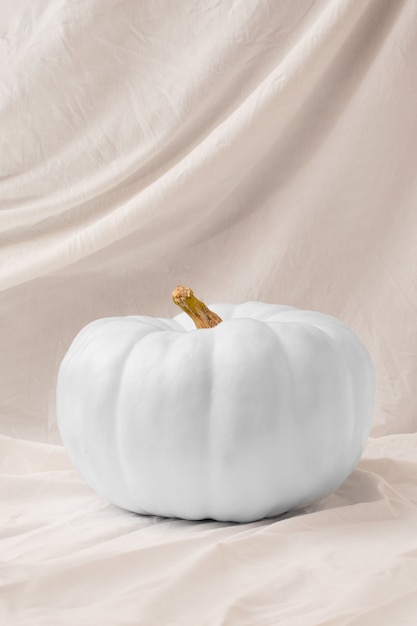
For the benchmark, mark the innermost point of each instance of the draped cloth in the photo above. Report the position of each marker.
(253, 150)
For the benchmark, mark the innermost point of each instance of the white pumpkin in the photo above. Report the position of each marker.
(264, 412)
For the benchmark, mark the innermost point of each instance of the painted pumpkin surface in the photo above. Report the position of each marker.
(260, 409)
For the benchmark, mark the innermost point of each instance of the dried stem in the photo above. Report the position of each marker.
(197, 310)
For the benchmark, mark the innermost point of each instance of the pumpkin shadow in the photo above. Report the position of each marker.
(361, 487)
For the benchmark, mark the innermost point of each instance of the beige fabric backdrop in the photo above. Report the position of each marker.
(251, 149)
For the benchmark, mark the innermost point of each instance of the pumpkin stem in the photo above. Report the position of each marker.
(197, 310)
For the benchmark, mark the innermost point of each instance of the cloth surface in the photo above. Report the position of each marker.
(253, 150)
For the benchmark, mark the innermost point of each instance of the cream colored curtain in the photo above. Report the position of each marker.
(253, 150)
